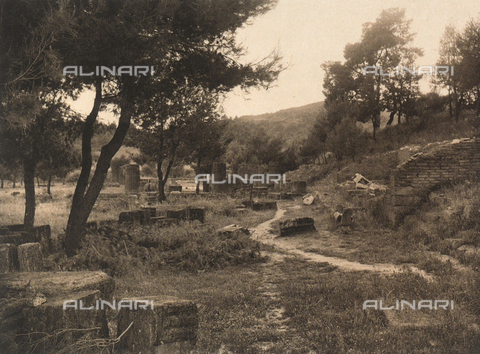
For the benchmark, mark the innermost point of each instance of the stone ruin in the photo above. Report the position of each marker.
(440, 164)
(32, 301)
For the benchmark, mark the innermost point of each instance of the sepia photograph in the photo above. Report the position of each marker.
(239, 177)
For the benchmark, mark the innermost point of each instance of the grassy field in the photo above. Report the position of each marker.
(254, 300)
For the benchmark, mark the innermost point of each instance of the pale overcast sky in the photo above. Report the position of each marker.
(311, 32)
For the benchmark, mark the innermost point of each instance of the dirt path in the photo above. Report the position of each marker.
(289, 245)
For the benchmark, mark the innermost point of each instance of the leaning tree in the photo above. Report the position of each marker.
(185, 41)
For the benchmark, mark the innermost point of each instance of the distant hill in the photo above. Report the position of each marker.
(291, 124)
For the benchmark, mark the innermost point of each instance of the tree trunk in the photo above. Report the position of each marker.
(161, 184)
(49, 184)
(14, 180)
(162, 178)
(29, 176)
(38, 182)
(84, 201)
(450, 107)
(2, 183)
(392, 117)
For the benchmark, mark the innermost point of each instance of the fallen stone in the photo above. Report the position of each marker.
(132, 217)
(151, 210)
(232, 229)
(293, 226)
(17, 238)
(197, 214)
(39, 315)
(264, 206)
(170, 327)
(56, 283)
(179, 214)
(347, 217)
(174, 188)
(8, 258)
(30, 257)
(43, 235)
(308, 199)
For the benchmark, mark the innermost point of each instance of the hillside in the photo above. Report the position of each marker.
(292, 124)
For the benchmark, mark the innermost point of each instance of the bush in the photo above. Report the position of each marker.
(182, 248)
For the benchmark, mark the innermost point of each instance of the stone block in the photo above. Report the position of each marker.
(293, 226)
(137, 216)
(169, 328)
(40, 315)
(151, 210)
(43, 235)
(174, 188)
(163, 221)
(264, 206)
(179, 214)
(233, 229)
(8, 258)
(30, 257)
(55, 283)
(197, 214)
(17, 238)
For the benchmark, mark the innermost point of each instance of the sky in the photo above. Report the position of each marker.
(310, 32)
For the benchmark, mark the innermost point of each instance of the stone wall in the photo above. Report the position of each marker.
(437, 165)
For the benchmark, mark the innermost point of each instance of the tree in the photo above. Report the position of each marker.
(346, 139)
(29, 70)
(450, 55)
(468, 70)
(384, 46)
(202, 142)
(187, 42)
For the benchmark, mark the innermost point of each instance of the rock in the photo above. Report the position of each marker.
(179, 214)
(39, 315)
(170, 327)
(197, 214)
(30, 257)
(8, 258)
(293, 226)
(56, 283)
(151, 210)
(17, 238)
(257, 206)
(232, 229)
(308, 199)
(137, 216)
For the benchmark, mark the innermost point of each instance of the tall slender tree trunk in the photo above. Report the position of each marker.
(49, 184)
(161, 183)
(29, 176)
(162, 178)
(84, 198)
(14, 180)
(450, 106)
(391, 118)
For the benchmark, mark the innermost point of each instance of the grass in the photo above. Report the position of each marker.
(326, 311)
(323, 309)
